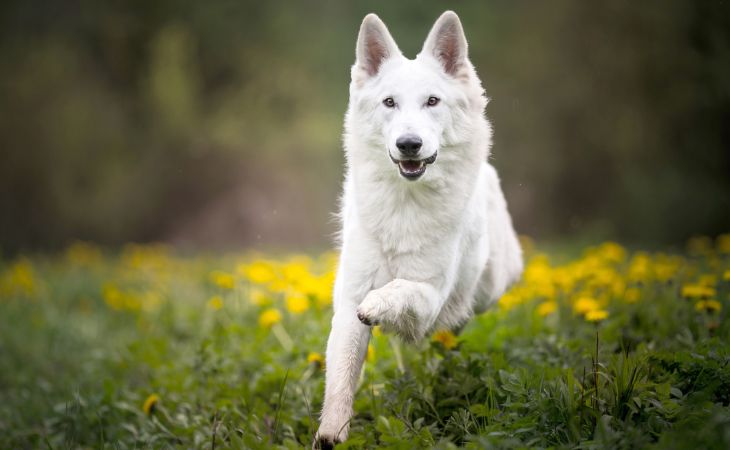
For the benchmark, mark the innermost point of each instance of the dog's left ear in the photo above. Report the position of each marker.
(447, 43)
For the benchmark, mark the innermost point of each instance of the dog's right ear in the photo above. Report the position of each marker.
(374, 46)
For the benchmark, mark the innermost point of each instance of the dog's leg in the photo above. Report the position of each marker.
(410, 308)
(346, 350)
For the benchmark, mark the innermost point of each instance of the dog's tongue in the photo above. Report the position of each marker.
(411, 166)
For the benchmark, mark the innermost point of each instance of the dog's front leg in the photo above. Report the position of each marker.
(409, 308)
(346, 350)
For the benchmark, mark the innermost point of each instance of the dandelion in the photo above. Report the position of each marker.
(215, 303)
(510, 299)
(585, 305)
(259, 272)
(371, 353)
(113, 297)
(446, 338)
(296, 269)
(19, 278)
(269, 317)
(546, 308)
(596, 315)
(697, 290)
(710, 306)
(666, 266)
(640, 268)
(315, 358)
(150, 403)
(222, 279)
(612, 252)
(297, 303)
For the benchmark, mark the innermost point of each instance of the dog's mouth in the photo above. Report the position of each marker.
(412, 169)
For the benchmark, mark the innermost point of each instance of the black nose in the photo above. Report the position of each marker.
(409, 144)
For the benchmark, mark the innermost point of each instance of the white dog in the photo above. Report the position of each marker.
(427, 241)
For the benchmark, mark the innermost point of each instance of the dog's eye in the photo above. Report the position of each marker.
(389, 102)
(433, 101)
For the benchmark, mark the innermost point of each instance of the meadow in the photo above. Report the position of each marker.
(601, 347)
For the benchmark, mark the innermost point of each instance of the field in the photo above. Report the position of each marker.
(146, 348)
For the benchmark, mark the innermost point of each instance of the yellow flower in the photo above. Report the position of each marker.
(547, 307)
(259, 272)
(19, 278)
(296, 269)
(446, 338)
(596, 315)
(269, 317)
(708, 280)
(586, 304)
(113, 297)
(510, 299)
(640, 267)
(697, 291)
(377, 331)
(297, 303)
(215, 303)
(711, 306)
(371, 353)
(612, 252)
(632, 295)
(223, 280)
(726, 275)
(150, 403)
(315, 358)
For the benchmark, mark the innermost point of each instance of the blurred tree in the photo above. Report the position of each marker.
(218, 123)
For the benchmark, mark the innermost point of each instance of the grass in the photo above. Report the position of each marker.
(148, 349)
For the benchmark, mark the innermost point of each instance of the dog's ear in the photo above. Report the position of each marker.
(374, 45)
(446, 42)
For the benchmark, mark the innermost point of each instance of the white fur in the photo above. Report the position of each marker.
(416, 255)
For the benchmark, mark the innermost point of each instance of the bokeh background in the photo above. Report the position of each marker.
(217, 124)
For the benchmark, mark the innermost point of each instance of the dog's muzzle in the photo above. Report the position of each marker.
(413, 169)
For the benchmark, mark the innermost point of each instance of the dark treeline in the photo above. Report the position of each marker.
(218, 123)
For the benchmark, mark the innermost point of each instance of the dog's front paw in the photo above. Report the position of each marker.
(329, 435)
(324, 442)
(372, 309)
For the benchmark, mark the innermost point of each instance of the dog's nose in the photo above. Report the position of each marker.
(409, 144)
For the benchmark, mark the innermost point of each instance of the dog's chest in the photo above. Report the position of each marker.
(403, 222)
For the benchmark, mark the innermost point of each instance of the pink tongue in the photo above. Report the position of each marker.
(410, 166)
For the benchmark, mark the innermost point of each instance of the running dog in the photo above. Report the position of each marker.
(426, 238)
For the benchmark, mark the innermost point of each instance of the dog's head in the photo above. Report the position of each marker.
(415, 110)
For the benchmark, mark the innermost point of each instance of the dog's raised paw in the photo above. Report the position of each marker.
(370, 311)
(365, 319)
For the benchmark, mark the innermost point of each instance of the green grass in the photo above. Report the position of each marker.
(75, 372)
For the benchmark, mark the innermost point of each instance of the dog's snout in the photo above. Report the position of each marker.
(409, 144)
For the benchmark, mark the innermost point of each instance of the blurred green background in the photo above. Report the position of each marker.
(217, 124)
